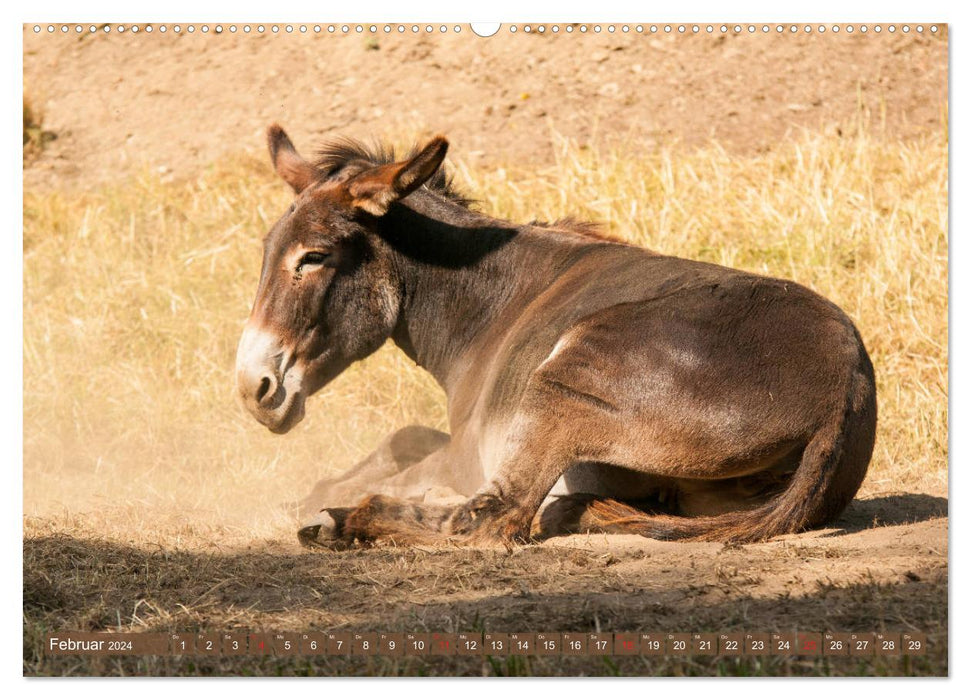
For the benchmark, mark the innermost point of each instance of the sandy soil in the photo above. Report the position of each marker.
(175, 104)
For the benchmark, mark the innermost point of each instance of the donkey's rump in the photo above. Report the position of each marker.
(716, 381)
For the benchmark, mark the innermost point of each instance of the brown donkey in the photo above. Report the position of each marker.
(591, 384)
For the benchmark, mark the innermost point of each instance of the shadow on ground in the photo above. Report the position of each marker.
(845, 583)
(897, 509)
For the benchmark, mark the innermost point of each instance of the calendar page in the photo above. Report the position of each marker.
(515, 349)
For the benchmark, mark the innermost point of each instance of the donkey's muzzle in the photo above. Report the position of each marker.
(268, 388)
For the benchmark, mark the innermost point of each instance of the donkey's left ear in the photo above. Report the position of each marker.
(376, 189)
(289, 164)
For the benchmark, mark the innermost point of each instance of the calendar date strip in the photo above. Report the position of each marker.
(565, 644)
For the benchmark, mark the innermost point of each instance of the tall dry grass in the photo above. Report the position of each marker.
(135, 294)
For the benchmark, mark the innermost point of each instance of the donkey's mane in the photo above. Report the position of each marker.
(589, 229)
(337, 153)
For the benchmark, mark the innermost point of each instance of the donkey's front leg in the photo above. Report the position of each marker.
(326, 509)
(500, 512)
(390, 520)
(396, 453)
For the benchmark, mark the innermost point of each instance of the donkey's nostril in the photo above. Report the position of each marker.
(264, 389)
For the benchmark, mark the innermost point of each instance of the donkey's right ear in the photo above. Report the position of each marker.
(289, 164)
(378, 188)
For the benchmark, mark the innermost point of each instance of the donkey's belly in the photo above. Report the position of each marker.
(609, 481)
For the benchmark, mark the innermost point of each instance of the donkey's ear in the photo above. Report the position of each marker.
(376, 189)
(289, 164)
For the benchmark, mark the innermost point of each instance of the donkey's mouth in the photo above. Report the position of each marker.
(286, 415)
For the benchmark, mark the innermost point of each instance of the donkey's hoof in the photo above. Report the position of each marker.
(325, 529)
(308, 535)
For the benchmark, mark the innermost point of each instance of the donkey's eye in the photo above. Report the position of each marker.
(314, 258)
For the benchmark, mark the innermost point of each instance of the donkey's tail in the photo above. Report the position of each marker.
(830, 471)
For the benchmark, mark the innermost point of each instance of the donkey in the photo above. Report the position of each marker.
(591, 384)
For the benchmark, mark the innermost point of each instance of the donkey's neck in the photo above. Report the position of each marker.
(462, 274)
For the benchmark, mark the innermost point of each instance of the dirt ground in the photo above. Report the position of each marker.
(175, 104)
(178, 103)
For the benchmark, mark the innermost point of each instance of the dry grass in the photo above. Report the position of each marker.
(135, 295)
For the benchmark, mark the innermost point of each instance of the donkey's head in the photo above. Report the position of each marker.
(328, 293)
